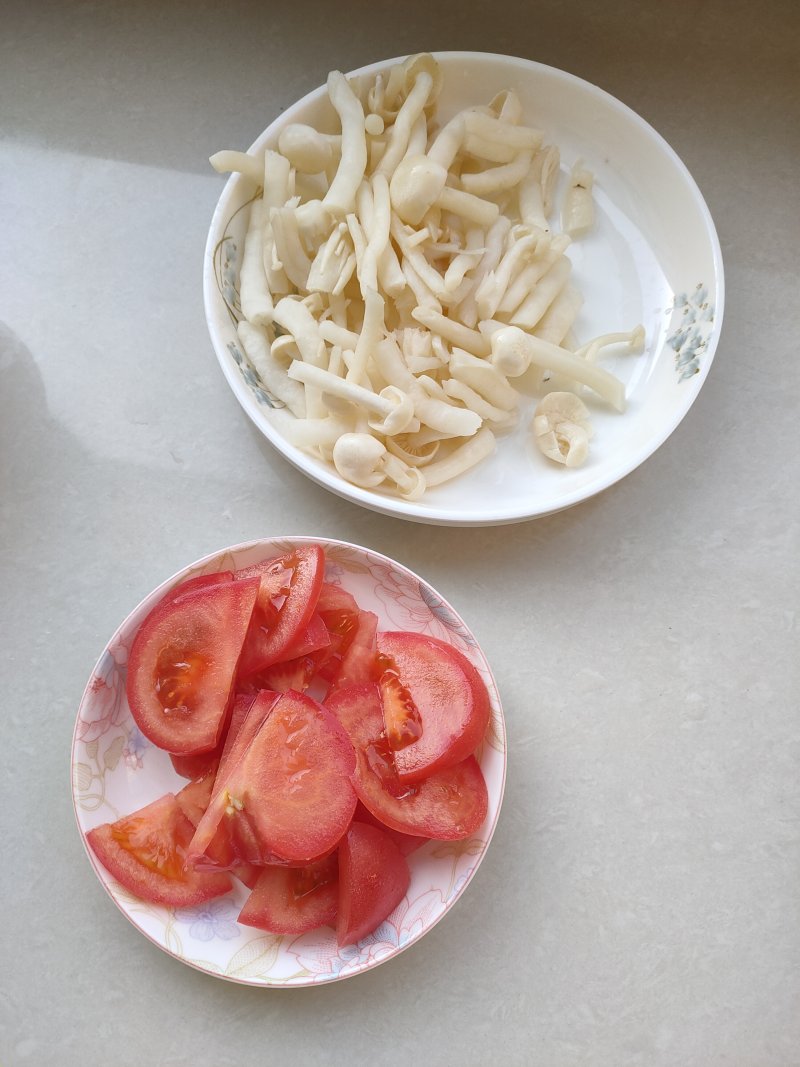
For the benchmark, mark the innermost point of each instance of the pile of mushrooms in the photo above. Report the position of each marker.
(398, 277)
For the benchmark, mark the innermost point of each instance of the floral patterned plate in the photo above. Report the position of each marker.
(115, 771)
(652, 257)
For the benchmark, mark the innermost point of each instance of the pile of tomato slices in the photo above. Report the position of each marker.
(320, 751)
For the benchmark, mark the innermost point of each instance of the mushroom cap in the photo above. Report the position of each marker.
(400, 418)
(415, 186)
(511, 351)
(356, 457)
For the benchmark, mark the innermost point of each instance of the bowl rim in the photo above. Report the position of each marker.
(396, 507)
(487, 830)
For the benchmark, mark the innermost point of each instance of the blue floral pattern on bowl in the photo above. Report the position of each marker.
(691, 327)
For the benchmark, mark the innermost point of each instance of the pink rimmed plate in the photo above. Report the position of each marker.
(115, 771)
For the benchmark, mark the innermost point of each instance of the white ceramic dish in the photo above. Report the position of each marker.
(116, 771)
(653, 258)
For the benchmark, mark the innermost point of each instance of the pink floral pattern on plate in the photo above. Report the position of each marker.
(115, 770)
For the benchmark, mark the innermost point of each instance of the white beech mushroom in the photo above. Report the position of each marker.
(400, 269)
(562, 428)
(394, 407)
(308, 150)
(512, 346)
(365, 461)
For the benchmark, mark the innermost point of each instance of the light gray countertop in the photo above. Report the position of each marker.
(638, 906)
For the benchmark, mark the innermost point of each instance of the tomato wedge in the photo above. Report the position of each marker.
(273, 637)
(284, 795)
(373, 879)
(448, 805)
(145, 852)
(289, 798)
(183, 662)
(293, 900)
(406, 843)
(212, 840)
(358, 663)
(435, 703)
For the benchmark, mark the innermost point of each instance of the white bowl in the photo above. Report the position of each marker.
(653, 258)
(116, 771)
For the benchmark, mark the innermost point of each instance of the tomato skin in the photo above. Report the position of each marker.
(294, 900)
(271, 639)
(448, 805)
(373, 879)
(145, 852)
(186, 651)
(449, 695)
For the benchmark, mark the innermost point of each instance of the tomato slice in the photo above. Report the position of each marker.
(359, 661)
(146, 852)
(293, 900)
(195, 797)
(290, 799)
(435, 703)
(406, 843)
(182, 666)
(272, 637)
(373, 879)
(448, 805)
(212, 843)
(193, 585)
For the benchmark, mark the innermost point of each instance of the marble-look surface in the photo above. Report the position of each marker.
(639, 904)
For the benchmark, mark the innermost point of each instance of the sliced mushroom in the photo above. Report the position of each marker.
(562, 428)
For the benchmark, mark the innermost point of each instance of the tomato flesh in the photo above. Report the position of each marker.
(373, 879)
(288, 900)
(447, 805)
(272, 637)
(443, 699)
(146, 853)
(182, 666)
(359, 661)
(406, 843)
(212, 842)
(289, 798)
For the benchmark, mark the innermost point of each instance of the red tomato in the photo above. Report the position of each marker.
(274, 577)
(195, 797)
(193, 585)
(289, 799)
(314, 638)
(293, 900)
(358, 663)
(145, 852)
(200, 765)
(448, 805)
(211, 841)
(182, 666)
(406, 843)
(273, 638)
(440, 692)
(373, 879)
